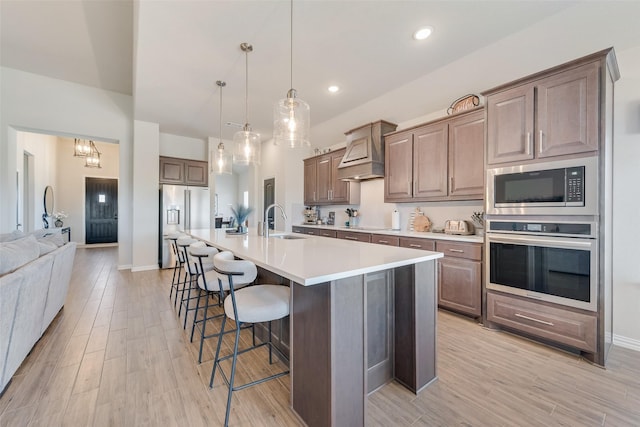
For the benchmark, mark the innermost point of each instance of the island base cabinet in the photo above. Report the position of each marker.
(352, 335)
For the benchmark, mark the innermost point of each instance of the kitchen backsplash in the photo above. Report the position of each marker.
(374, 212)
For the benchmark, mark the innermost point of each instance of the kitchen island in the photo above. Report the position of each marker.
(361, 315)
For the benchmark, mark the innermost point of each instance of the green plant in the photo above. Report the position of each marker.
(241, 213)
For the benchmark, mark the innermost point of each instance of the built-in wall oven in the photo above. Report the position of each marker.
(554, 261)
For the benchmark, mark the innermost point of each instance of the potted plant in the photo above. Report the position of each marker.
(58, 217)
(241, 213)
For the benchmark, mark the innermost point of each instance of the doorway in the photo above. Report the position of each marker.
(26, 217)
(269, 199)
(101, 210)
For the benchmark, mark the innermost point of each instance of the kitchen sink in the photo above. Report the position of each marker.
(287, 236)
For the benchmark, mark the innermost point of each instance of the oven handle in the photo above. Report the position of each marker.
(554, 242)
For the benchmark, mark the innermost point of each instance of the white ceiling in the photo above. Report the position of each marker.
(169, 54)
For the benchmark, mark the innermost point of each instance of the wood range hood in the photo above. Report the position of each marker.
(364, 158)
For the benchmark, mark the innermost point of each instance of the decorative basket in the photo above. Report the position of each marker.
(467, 102)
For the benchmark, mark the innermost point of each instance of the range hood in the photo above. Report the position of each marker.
(364, 158)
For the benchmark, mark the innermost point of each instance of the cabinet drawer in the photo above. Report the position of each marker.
(360, 237)
(383, 239)
(417, 243)
(296, 229)
(460, 250)
(326, 233)
(560, 324)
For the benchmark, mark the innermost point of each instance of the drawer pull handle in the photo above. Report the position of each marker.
(456, 250)
(544, 322)
(350, 238)
(383, 241)
(413, 245)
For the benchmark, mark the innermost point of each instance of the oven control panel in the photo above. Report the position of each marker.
(577, 229)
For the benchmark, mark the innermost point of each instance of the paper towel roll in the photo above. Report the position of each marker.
(395, 220)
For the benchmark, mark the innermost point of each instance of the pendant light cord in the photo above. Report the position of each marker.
(291, 44)
(246, 89)
(220, 127)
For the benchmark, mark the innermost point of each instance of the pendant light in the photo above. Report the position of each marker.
(291, 115)
(81, 147)
(92, 160)
(246, 143)
(221, 160)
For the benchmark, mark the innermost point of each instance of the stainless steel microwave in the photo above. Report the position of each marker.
(563, 187)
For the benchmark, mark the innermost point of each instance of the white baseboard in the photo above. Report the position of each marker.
(124, 267)
(144, 268)
(625, 342)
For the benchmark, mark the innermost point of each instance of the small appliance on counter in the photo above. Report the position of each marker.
(458, 226)
(311, 215)
(332, 218)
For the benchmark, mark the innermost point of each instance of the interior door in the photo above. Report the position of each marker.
(101, 210)
(269, 199)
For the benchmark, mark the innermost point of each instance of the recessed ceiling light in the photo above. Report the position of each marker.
(422, 33)
(333, 89)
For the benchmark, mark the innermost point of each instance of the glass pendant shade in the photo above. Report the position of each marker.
(222, 161)
(81, 147)
(246, 147)
(291, 122)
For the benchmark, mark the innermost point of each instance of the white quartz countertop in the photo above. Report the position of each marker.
(386, 231)
(310, 260)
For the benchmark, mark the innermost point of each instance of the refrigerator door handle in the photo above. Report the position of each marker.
(187, 209)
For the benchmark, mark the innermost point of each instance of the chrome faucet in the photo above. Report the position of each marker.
(265, 223)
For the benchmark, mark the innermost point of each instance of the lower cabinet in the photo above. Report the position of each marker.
(563, 325)
(356, 236)
(459, 285)
(383, 239)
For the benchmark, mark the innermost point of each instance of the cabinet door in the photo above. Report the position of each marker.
(310, 179)
(466, 156)
(171, 171)
(567, 107)
(323, 183)
(196, 173)
(339, 188)
(510, 125)
(459, 285)
(430, 161)
(398, 167)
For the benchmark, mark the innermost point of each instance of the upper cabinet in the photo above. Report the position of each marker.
(553, 114)
(443, 160)
(184, 172)
(322, 185)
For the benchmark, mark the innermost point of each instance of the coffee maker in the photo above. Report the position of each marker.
(311, 215)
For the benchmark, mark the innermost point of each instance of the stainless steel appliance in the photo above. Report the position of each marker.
(182, 208)
(564, 187)
(554, 261)
(311, 215)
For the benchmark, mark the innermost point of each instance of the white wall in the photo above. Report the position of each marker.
(626, 203)
(226, 186)
(43, 149)
(35, 103)
(145, 195)
(183, 147)
(70, 184)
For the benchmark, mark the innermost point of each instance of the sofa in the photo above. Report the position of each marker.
(35, 271)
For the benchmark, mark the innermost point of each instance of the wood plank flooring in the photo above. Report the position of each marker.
(117, 355)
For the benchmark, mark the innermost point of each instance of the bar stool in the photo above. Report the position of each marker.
(208, 283)
(178, 265)
(252, 304)
(189, 277)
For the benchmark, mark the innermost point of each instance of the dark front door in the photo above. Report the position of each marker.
(101, 210)
(269, 199)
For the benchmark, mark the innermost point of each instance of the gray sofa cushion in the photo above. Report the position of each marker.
(46, 247)
(55, 238)
(14, 235)
(17, 253)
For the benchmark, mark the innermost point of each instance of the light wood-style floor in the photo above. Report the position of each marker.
(117, 355)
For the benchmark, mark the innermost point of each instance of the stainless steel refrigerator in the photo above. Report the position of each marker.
(182, 208)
